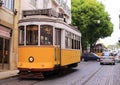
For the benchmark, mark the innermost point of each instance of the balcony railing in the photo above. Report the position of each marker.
(46, 12)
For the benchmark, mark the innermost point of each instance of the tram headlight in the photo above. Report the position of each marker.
(31, 59)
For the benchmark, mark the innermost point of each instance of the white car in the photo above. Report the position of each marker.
(107, 59)
(117, 57)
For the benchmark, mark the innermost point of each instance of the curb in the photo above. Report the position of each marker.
(7, 74)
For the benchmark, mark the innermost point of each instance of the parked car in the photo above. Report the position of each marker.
(117, 57)
(107, 58)
(89, 56)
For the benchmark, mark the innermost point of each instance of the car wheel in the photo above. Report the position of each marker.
(101, 63)
(83, 59)
(98, 60)
(113, 63)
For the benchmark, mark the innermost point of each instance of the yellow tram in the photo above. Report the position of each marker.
(98, 49)
(47, 44)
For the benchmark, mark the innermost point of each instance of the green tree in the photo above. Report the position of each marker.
(92, 20)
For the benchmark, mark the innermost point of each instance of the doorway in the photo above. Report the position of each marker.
(4, 53)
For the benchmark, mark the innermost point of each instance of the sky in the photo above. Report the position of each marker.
(113, 8)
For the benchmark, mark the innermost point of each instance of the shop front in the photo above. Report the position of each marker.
(4, 48)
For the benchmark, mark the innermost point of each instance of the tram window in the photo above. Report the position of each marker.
(57, 36)
(21, 35)
(72, 40)
(79, 45)
(68, 40)
(72, 43)
(69, 43)
(46, 37)
(75, 44)
(32, 35)
(77, 41)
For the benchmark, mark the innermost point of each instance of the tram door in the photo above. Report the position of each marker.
(58, 45)
(4, 54)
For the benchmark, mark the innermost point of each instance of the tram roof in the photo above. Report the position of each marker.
(46, 19)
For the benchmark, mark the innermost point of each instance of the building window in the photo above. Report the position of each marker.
(21, 35)
(33, 2)
(32, 35)
(46, 37)
(8, 4)
(45, 3)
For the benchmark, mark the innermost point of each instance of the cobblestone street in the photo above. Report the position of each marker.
(87, 73)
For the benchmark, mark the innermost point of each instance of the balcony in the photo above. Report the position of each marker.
(45, 12)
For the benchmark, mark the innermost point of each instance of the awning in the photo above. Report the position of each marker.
(4, 32)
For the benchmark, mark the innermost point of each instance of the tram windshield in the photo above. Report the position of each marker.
(31, 35)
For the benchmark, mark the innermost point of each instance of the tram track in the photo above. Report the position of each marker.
(109, 79)
(85, 67)
(104, 76)
(91, 75)
(81, 75)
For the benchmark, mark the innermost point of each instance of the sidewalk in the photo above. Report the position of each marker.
(10, 73)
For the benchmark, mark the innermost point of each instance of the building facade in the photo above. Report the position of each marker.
(60, 6)
(6, 27)
(8, 18)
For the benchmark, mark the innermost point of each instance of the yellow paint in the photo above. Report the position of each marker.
(70, 56)
(46, 56)
(57, 55)
(99, 54)
(43, 57)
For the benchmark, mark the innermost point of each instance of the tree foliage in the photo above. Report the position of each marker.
(92, 20)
